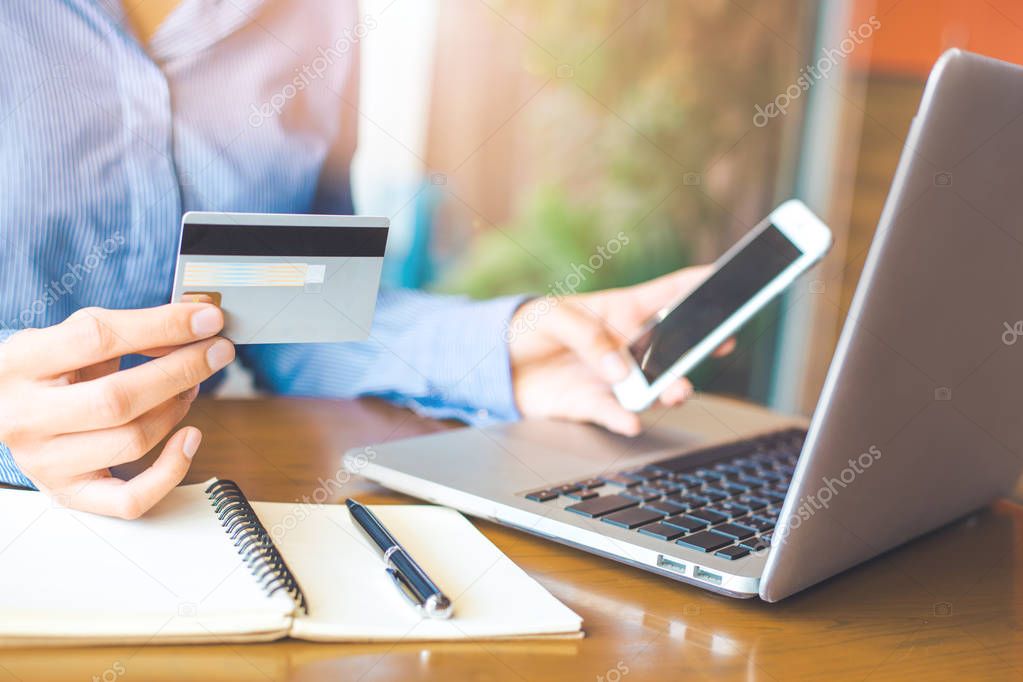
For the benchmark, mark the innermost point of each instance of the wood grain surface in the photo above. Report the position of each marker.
(947, 606)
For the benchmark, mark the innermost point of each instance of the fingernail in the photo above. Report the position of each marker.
(207, 321)
(614, 366)
(191, 445)
(220, 354)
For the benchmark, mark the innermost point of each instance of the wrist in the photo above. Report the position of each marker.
(484, 380)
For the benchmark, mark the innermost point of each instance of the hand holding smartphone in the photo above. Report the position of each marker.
(745, 279)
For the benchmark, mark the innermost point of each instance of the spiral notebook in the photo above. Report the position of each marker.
(206, 565)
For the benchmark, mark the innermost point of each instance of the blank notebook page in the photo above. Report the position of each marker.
(351, 597)
(172, 573)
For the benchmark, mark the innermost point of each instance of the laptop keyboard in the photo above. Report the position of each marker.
(722, 500)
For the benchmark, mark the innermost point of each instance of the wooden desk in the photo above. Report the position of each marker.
(947, 606)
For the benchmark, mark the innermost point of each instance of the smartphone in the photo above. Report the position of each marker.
(745, 279)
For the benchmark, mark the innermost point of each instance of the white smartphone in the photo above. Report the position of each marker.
(745, 279)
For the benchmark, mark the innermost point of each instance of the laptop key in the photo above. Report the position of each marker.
(583, 494)
(599, 506)
(734, 509)
(689, 501)
(735, 531)
(620, 480)
(756, 523)
(755, 544)
(708, 474)
(688, 480)
(713, 494)
(647, 473)
(662, 531)
(664, 507)
(704, 541)
(632, 518)
(732, 553)
(592, 483)
(641, 494)
(707, 515)
(686, 523)
(542, 496)
(754, 502)
(565, 489)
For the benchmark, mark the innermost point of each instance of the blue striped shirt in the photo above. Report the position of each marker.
(248, 105)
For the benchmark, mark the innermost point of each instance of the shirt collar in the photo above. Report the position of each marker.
(193, 25)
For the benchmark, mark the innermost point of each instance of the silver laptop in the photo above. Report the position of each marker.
(918, 423)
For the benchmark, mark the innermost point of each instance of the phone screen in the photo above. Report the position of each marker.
(739, 279)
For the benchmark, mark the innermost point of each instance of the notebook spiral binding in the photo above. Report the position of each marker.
(254, 544)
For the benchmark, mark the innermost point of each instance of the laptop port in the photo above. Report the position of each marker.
(706, 575)
(671, 564)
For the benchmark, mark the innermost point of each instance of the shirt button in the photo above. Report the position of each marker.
(482, 414)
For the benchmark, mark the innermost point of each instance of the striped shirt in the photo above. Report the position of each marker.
(247, 105)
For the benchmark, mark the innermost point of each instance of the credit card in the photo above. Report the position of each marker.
(284, 278)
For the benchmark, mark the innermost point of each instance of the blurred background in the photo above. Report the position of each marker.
(509, 140)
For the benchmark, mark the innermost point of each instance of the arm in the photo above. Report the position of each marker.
(443, 355)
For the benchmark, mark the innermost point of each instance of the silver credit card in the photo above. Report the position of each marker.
(283, 278)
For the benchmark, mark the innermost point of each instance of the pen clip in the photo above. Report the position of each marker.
(406, 590)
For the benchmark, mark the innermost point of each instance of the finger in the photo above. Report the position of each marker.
(158, 352)
(602, 408)
(679, 391)
(88, 451)
(109, 366)
(100, 369)
(588, 338)
(651, 297)
(725, 348)
(123, 396)
(92, 335)
(132, 498)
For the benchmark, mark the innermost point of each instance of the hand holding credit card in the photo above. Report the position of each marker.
(283, 278)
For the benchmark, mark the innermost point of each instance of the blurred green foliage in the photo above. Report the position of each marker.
(656, 99)
(552, 235)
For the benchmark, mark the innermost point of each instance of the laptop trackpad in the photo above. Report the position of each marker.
(527, 455)
(578, 448)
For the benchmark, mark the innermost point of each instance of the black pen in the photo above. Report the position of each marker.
(410, 579)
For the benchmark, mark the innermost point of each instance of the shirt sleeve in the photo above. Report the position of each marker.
(9, 472)
(443, 356)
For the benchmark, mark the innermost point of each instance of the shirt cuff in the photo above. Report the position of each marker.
(481, 392)
(9, 472)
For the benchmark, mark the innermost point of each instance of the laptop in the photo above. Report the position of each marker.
(918, 422)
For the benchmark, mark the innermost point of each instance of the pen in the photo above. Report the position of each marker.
(410, 579)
